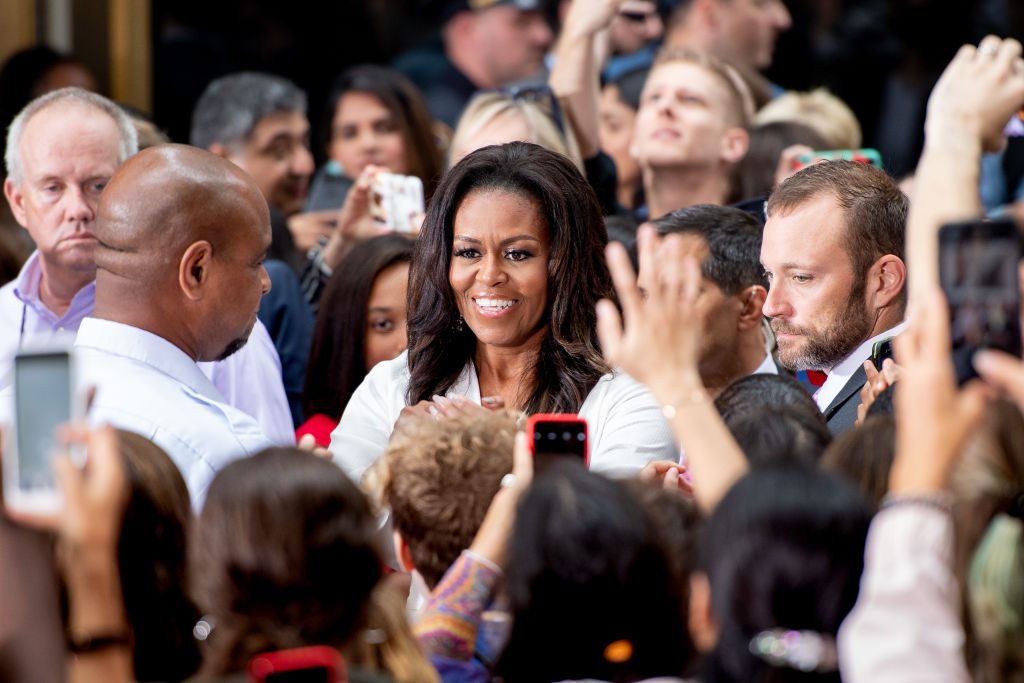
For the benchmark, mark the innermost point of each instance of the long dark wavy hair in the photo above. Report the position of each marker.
(570, 361)
(337, 361)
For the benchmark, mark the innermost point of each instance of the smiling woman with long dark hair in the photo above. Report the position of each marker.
(507, 270)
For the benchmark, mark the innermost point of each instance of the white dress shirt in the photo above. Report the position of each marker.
(846, 368)
(249, 379)
(625, 426)
(147, 385)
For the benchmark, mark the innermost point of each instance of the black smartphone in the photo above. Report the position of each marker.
(557, 436)
(978, 263)
(881, 350)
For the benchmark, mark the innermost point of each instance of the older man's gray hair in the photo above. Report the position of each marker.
(12, 156)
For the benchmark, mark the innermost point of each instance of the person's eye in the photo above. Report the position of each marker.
(767, 275)
(467, 252)
(802, 279)
(383, 326)
(385, 126)
(347, 133)
(51, 188)
(98, 186)
(518, 254)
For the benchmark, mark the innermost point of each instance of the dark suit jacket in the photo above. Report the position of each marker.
(841, 414)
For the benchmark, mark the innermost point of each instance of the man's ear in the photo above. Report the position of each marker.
(735, 144)
(194, 269)
(16, 198)
(752, 302)
(703, 629)
(889, 277)
(402, 552)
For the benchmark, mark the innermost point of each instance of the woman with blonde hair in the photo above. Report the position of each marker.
(527, 114)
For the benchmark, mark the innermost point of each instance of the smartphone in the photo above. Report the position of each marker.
(865, 155)
(978, 270)
(396, 201)
(557, 436)
(317, 664)
(881, 350)
(44, 399)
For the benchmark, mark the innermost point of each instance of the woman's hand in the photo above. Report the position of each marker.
(354, 221)
(660, 344)
(933, 417)
(978, 93)
(669, 475)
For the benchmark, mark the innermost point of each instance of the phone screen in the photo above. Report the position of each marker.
(978, 270)
(315, 674)
(559, 441)
(42, 388)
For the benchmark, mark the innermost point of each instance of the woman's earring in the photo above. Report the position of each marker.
(458, 326)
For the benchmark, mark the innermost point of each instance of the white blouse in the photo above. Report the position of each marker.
(625, 425)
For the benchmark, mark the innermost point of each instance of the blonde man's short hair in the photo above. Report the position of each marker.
(819, 110)
(741, 101)
(438, 479)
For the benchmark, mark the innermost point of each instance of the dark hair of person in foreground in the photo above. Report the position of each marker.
(284, 555)
(592, 592)
(784, 549)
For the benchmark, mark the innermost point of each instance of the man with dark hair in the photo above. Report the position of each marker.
(258, 122)
(727, 242)
(833, 255)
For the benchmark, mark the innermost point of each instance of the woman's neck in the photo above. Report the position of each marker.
(668, 189)
(508, 372)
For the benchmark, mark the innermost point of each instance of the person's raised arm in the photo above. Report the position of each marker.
(906, 623)
(88, 529)
(575, 77)
(968, 109)
(659, 347)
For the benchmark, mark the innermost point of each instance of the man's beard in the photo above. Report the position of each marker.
(233, 347)
(826, 349)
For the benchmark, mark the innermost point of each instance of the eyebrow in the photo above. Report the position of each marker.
(517, 238)
(381, 309)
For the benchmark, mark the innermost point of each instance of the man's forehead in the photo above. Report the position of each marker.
(63, 133)
(292, 124)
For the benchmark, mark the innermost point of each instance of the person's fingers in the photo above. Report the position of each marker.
(1008, 52)
(970, 405)
(935, 342)
(691, 281)
(623, 278)
(671, 280)
(609, 330)
(322, 452)
(106, 468)
(671, 479)
(306, 443)
(872, 377)
(90, 396)
(493, 402)
(647, 243)
(988, 48)
(890, 371)
(1003, 372)
(522, 459)
(445, 407)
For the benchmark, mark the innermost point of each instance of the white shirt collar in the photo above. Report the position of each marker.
(846, 368)
(767, 366)
(145, 347)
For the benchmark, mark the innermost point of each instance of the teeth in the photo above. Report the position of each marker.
(494, 303)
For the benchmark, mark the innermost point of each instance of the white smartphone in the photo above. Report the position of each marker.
(44, 398)
(396, 201)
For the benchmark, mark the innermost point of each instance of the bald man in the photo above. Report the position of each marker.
(181, 237)
(61, 150)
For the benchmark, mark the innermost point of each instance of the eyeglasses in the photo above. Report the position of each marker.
(637, 17)
(539, 94)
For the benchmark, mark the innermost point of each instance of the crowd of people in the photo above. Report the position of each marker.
(306, 431)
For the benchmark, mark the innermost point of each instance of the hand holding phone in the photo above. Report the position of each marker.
(978, 270)
(396, 201)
